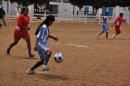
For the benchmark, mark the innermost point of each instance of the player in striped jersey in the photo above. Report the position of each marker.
(105, 27)
(41, 45)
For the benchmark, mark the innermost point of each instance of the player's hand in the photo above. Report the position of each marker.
(55, 38)
(35, 48)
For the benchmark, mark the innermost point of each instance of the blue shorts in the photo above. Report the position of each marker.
(105, 28)
(41, 52)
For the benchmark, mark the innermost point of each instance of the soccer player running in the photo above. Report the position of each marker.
(105, 27)
(2, 17)
(41, 45)
(117, 24)
(21, 31)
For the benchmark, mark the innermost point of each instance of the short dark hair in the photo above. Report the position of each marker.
(121, 14)
(23, 9)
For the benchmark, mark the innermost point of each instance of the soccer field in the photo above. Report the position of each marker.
(87, 61)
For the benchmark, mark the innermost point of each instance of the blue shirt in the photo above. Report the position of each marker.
(43, 34)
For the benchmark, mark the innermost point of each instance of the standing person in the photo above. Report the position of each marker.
(117, 24)
(17, 9)
(41, 45)
(2, 17)
(21, 31)
(105, 27)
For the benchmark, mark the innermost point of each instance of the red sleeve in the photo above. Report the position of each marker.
(29, 18)
(123, 20)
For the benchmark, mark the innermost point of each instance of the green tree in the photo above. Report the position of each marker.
(28, 2)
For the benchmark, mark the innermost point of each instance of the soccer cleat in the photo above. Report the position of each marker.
(30, 72)
(45, 68)
(31, 56)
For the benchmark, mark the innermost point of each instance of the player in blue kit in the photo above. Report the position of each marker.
(41, 45)
(105, 27)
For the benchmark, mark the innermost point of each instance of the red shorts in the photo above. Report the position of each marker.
(20, 34)
(117, 29)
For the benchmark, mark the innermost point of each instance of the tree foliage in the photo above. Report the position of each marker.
(101, 3)
(95, 3)
(28, 2)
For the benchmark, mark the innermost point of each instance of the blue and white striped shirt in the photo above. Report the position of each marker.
(43, 34)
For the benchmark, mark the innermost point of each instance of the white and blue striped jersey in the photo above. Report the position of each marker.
(43, 34)
(105, 26)
(43, 37)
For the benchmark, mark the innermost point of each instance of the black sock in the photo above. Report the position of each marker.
(47, 57)
(39, 63)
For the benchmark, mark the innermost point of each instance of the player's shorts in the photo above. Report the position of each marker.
(105, 28)
(21, 34)
(42, 49)
(117, 29)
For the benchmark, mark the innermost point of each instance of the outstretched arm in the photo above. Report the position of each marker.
(54, 38)
(123, 20)
(113, 24)
(36, 44)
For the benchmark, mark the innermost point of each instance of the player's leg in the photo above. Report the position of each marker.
(16, 39)
(4, 21)
(41, 53)
(10, 46)
(27, 39)
(47, 57)
(116, 34)
(99, 34)
(106, 35)
(46, 60)
(38, 64)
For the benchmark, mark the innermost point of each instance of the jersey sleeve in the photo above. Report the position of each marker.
(123, 20)
(41, 33)
(28, 18)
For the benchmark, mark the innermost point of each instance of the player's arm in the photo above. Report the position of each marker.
(28, 28)
(36, 44)
(50, 36)
(114, 22)
(53, 37)
(38, 37)
(123, 20)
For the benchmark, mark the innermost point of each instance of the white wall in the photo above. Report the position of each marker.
(64, 9)
(9, 7)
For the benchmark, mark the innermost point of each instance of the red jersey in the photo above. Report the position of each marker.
(23, 21)
(119, 20)
(19, 31)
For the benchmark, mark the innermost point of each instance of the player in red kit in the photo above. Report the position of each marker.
(21, 31)
(117, 24)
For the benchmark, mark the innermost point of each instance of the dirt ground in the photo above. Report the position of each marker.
(87, 61)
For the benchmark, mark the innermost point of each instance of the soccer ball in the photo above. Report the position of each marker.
(58, 57)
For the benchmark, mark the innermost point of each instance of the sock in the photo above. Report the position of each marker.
(39, 63)
(46, 59)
